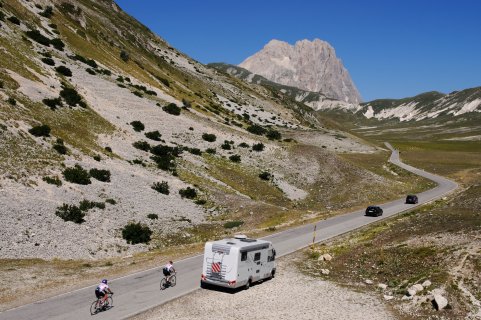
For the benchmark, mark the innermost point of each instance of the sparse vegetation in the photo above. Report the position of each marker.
(189, 193)
(71, 97)
(137, 126)
(226, 145)
(258, 147)
(211, 151)
(233, 224)
(243, 145)
(210, 137)
(60, 148)
(52, 103)
(135, 233)
(53, 180)
(63, 70)
(265, 175)
(40, 131)
(36, 36)
(162, 187)
(172, 109)
(48, 61)
(111, 201)
(100, 174)
(77, 175)
(47, 13)
(152, 216)
(70, 213)
(14, 20)
(57, 44)
(256, 129)
(273, 135)
(124, 55)
(141, 145)
(153, 135)
(235, 158)
(86, 205)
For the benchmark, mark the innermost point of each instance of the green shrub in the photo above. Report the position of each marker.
(108, 149)
(258, 147)
(48, 61)
(110, 201)
(77, 175)
(162, 187)
(57, 44)
(38, 37)
(92, 72)
(47, 13)
(40, 131)
(152, 216)
(164, 156)
(60, 148)
(70, 213)
(135, 233)
(89, 62)
(200, 202)
(86, 205)
(210, 137)
(256, 129)
(243, 145)
(64, 71)
(162, 150)
(265, 175)
(153, 135)
(211, 151)
(97, 157)
(100, 175)
(14, 20)
(137, 126)
(52, 103)
(195, 151)
(189, 193)
(273, 134)
(235, 158)
(172, 108)
(141, 145)
(138, 94)
(165, 82)
(124, 55)
(226, 145)
(53, 180)
(71, 97)
(12, 101)
(233, 224)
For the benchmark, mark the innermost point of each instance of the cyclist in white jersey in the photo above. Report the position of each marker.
(102, 290)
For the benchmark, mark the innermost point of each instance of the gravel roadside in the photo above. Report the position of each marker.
(291, 295)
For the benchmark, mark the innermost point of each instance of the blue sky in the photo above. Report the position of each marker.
(391, 48)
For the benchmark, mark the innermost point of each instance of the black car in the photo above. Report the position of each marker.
(412, 199)
(374, 211)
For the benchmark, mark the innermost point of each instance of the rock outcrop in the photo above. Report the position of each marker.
(308, 65)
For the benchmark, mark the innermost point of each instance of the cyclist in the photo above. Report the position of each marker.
(101, 290)
(168, 270)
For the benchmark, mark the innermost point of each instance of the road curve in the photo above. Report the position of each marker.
(138, 292)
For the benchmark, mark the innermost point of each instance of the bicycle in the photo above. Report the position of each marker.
(164, 283)
(97, 306)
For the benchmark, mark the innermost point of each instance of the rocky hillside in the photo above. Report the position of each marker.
(108, 133)
(308, 65)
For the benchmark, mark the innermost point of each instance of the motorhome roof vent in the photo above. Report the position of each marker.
(230, 242)
(240, 236)
(248, 240)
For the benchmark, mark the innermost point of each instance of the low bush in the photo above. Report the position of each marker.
(92, 72)
(71, 97)
(211, 151)
(152, 216)
(64, 71)
(57, 44)
(53, 180)
(243, 145)
(14, 20)
(137, 126)
(48, 61)
(89, 62)
(40, 131)
(164, 81)
(235, 158)
(200, 202)
(77, 175)
(153, 135)
(172, 109)
(124, 55)
(12, 101)
(110, 201)
(162, 187)
(97, 157)
(135, 233)
(273, 135)
(70, 213)
(108, 149)
(256, 129)
(36, 36)
(210, 137)
(189, 193)
(86, 205)
(141, 145)
(226, 145)
(60, 148)
(233, 224)
(265, 175)
(100, 175)
(164, 156)
(52, 103)
(195, 151)
(47, 13)
(258, 147)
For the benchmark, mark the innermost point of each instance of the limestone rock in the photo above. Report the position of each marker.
(367, 281)
(325, 271)
(308, 65)
(388, 297)
(440, 302)
(382, 286)
(426, 284)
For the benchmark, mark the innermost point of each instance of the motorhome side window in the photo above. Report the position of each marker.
(271, 256)
(244, 256)
(257, 256)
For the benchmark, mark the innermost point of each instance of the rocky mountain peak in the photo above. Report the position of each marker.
(308, 65)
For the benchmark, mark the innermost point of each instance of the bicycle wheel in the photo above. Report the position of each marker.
(172, 281)
(109, 303)
(163, 284)
(94, 308)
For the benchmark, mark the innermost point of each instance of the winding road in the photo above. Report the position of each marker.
(138, 292)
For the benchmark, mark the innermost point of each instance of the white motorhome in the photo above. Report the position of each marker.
(237, 262)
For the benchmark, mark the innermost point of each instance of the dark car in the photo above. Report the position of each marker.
(374, 211)
(412, 199)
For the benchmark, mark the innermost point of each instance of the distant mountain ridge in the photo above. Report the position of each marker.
(308, 65)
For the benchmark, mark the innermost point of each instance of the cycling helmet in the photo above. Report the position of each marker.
(104, 281)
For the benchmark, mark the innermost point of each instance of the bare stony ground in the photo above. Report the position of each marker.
(291, 295)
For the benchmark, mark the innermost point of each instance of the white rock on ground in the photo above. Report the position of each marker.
(440, 302)
(291, 295)
(382, 286)
(426, 284)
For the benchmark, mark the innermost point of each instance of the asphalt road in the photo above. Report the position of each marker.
(140, 291)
